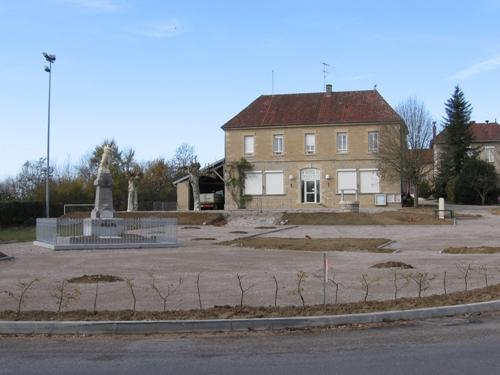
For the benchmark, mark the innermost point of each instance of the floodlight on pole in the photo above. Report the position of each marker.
(50, 59)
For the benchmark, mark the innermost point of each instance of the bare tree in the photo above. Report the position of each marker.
(465, 270)
(198, 290)
(276, 289)
(171, 289)
(64, 296)
(422, 280)
(397, 286)
(301, 276)
(336, 285)
(96, 295)
(243, 290)
(365, 286)
(130, 285)
(444, 283)
(402, 153)
(484, 271)
(25, 286)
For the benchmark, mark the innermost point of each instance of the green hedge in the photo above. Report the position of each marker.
(17, 213)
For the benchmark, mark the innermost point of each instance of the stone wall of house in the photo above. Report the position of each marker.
(294, 159)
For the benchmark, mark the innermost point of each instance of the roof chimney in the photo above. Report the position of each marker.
(487, 122)
(433, 130)
(328, 87)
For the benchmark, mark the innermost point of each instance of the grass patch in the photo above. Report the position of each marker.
(419, 217)
(472, 250)
(317, 244)
(203, 239)
(20, 234)
(490, 293)
(392, 264)
(92, 279)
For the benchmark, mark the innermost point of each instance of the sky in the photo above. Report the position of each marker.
(155, 74)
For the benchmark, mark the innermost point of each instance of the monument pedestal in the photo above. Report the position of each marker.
(103, 227)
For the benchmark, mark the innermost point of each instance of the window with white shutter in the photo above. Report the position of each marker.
(310, 143)
(369, 181)
(278, 144)
(253, 183)
(347, 181)
(249, 141)
(274, 182)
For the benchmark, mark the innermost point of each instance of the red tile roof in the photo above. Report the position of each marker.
(427, 155)
(315, 109)
(481, 132)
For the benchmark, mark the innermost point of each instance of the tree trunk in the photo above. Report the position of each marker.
(415, 200)
(195, 185)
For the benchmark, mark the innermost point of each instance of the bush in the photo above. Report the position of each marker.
(424, 189)
(19, 213)
(477, 183)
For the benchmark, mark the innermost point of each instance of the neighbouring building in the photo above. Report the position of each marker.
(306, 149)
(486, 138)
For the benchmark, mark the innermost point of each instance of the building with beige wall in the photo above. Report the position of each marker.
(486, 138)
(308, 149)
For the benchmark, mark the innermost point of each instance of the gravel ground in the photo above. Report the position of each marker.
(217, 265)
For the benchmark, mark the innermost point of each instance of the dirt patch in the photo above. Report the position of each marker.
(392, 264)
(317, 244)
(203, 239)
(228, 312)
(183, 218)
(91, 279)
(238, 232)
(418, 217)
(472, 250)
(190, 227)
(495, 211)
(265, 227)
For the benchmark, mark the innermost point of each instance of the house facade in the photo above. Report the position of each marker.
(310, 150)
(486, 138)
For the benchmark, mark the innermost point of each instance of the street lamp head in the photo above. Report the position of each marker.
(49, 57)
(46, 68)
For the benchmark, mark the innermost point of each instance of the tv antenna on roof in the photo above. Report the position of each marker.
(325, 72)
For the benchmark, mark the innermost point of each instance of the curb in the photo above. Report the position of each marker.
(232, 325)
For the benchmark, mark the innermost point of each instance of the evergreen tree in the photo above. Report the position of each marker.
(458, 139)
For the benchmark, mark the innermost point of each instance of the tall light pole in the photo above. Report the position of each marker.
(50, 59)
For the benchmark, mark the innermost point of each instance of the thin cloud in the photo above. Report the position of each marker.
(161, 30)
(99, 5)
(477, 69)
(358, 78)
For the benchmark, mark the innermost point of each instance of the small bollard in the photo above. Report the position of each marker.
(441, 208)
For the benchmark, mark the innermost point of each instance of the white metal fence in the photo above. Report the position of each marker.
(69, 234)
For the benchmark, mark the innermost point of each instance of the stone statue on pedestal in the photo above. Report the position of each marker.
(103, 208)
(132, 195)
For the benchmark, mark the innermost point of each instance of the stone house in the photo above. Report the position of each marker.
(486, 139)
(307, 149)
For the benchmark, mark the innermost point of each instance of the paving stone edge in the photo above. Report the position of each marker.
(229, 325)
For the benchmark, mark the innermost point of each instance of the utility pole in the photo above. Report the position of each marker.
(50, 59)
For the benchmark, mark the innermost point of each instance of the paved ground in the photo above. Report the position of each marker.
(448, 346)
(419, 246)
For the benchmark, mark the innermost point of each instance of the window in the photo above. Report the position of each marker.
(393, 198)
(372, 141)
(253, 183)
(341, 142)
(347, 181)
(369, 181)
(278, 144)
(310, 185)
(249, 141)
(490, 154)
(274, 182)
(310, 140)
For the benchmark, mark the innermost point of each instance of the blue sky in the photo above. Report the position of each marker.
(155, 74)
